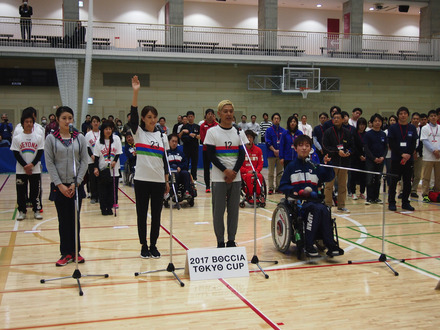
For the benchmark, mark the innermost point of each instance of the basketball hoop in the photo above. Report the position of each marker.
(304, 91)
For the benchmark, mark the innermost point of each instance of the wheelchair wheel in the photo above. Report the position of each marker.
(166, 203)
(242, 204)
(282, 227)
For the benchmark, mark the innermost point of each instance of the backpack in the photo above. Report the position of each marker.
(434, 196)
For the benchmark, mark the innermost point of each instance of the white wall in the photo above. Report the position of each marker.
(398, 25)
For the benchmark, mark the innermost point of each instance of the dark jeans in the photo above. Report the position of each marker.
(21, 185)
(206, 169)
(192, 155)
(405, 172)
(107, 191)
(93, 183)
(26, 27)
(66, 220)
(144, 190)
(357, 178)
(182, 177)
(373, 180)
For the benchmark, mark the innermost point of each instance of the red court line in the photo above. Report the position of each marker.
(412, 216)
(133, 318)
(6, 180)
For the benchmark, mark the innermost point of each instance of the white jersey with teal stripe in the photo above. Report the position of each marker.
(150, 149)
(227, 143)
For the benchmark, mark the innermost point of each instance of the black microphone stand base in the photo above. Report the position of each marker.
(256, 261)
(76, 275)
(170, 269)
(382, 258)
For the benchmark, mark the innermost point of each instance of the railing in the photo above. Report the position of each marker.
(211, 40)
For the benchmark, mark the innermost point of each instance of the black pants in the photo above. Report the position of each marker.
(66, 220)
(405, 172)
(21, 185)
(26, 27)
(144, 190)
(317, 219)
(357, 178)
(93, 183)
(182, 177)
(373, 180)
(206, 169)
(107, 193)
(192, 154)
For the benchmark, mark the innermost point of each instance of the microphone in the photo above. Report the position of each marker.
(70, 128)
(308, 161)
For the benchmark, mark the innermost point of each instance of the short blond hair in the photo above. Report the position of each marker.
(223, 103)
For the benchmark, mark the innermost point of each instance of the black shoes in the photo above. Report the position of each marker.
(392, 207)
(334, 252)
(145, 253)
(414, 195)
(311, 252)
(154, 252)
(407, 207)
(107, 212)
(231, 244)
(220, 244)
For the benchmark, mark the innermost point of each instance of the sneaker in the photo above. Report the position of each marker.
(231, 244)
(426, 199)
(334, 252)
(81, 260)
(270, 191)
(311, 252)
(414, 195)
(392, 207)
(362, 196)
(343, 209)
(368, 202)
(220, 244)
(354, 196)
(64, 260)
(378, 201)
(38, 216)
(154, 252)
(207, 190)
(21, 216)
(187, 195)
(92, 201)
(88, 195)
(351, 195)
(116, 206)
(407, 207)
(144, 252)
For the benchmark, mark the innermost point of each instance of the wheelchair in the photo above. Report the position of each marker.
(180, 190)
(129, 174)
(288, 225)
(248, 197)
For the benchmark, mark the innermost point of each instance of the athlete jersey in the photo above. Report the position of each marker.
(28, 145)
(106, 157)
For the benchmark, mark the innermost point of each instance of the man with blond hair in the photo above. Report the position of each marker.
(224, 147)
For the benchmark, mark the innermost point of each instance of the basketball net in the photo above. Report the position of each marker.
(304, 91)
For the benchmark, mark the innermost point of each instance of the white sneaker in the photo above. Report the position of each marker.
(354, 197)
(21, 216)
(38, 216)
(343, 210)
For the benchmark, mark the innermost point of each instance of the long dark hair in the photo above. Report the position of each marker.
(361, 121)
(289, 120)
(145, 111)
(104, 125)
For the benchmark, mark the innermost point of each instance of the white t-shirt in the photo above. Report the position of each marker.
(432, 134)
(28, 145)
(101, 151)
(226, 142)
(37, 128)
(91, 138)
(306, 129)
(150, 149)
(352, 122)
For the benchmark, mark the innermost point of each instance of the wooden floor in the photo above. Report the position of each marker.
(326, 293)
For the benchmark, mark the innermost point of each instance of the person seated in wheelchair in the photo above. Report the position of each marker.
(179, 164)
(130, 154)
(246, 171)
(299, 175)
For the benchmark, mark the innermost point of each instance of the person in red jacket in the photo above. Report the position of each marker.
(207, 124)
(256, 157)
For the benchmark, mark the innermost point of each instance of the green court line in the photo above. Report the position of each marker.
(409, 264)
(15, 213)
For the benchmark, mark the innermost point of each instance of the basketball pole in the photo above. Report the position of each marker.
(255, 259)
(383, 257)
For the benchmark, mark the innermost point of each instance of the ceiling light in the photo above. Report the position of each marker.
(80, 4)
(319, 6)
(371, 9)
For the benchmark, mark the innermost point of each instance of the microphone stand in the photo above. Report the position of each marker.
(255, 259)
(170, 267)
(383, 257)
(76, 273)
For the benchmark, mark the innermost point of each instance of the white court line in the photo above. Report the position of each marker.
(7, 211)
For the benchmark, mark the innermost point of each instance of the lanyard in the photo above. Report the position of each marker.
(401, 131)
(95, 136)
(361, 136)
(337, 135)
(436, 130)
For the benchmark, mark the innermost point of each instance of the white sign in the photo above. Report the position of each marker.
(208, 264)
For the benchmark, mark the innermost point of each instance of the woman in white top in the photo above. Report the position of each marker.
(28, 148)
(92, 137)
(107, 151)
(151, 176)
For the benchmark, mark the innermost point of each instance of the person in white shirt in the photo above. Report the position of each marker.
(431, 154)
(305, 128)
(243, 125)
(28, 148)
(92, 137)
(37, 127)
(356, 113)
(253, 126)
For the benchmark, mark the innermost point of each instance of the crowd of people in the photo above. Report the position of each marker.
(409, 149)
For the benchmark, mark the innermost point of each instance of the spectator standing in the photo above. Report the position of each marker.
(253, 126)
(43, 122)
(176, 125)
(86, 124)
(317, 134)
(287, 150)
(126, 127)
(264, 125)
(207, 124)
(356, 113)
(243, 125)
(273, 138)
(190, 135)
(431, 154)
(418, 155)
(402, 138)
(358, 159)
(52, 126)
(91, 138)
(305, 128)
(162, 125)
(6, 129)
(25, 12)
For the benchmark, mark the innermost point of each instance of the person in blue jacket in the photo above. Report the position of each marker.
(287, 151)
(179, 164)
(300, 174)
(273, 138)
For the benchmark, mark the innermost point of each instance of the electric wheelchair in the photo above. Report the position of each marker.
(246, 195)
(288, 225)
(180, 190)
